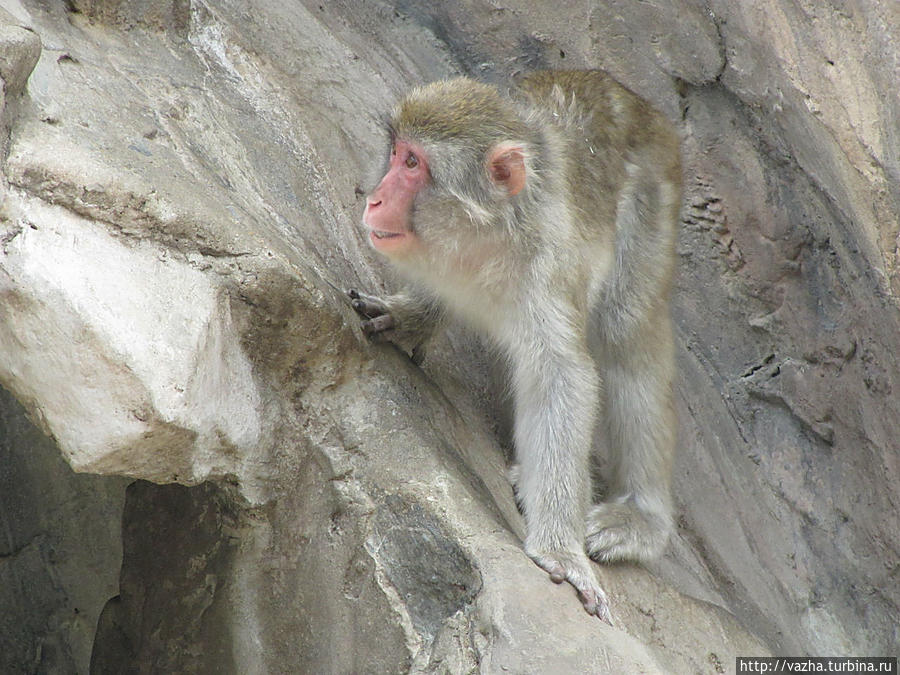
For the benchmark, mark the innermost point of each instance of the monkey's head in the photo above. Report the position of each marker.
(460, 160)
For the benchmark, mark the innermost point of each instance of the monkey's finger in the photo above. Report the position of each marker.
(366, 305)
(602, 612)
(368, 309)
(595, 604)
(378, 324)
(605, 615)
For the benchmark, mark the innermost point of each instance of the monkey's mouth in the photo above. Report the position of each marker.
(381, 234)
(390, 242)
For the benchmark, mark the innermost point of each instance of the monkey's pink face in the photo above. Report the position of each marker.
(388, 213)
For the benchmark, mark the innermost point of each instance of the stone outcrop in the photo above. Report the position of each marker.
(270, 492)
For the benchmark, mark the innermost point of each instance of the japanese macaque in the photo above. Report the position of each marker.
(546, 218)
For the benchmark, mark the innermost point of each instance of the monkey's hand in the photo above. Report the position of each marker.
(575, 567)
(378, 317)
(625, 532)
(409, 318)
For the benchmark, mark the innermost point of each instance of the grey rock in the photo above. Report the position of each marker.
(60, 550)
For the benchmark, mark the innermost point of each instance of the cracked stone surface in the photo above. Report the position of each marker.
(260, 489)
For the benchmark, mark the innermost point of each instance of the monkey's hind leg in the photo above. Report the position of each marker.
(636, 520)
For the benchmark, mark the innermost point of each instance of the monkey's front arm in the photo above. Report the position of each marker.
(556, 391)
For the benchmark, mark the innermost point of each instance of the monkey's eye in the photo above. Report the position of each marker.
(411, 161)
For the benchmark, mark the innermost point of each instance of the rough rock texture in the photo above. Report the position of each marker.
(180, 191)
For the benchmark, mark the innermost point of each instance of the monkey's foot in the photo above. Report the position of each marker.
(575, 568)
(623, 532)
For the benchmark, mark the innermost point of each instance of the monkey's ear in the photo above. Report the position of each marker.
(506, 166)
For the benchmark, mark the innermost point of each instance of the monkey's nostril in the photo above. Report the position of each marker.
(372, 205)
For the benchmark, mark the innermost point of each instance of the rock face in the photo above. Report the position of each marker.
(181, 186)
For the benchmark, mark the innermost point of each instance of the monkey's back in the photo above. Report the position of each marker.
(607, 125)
